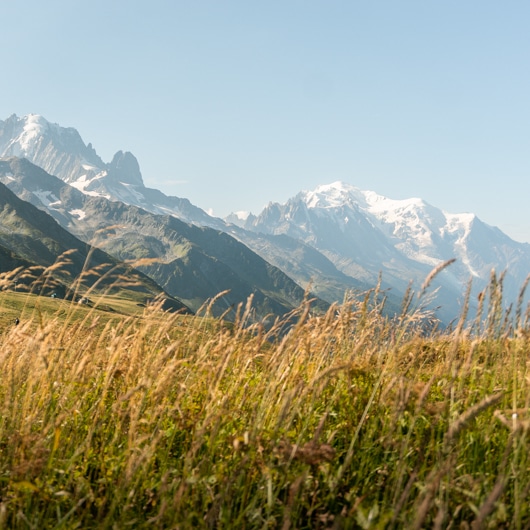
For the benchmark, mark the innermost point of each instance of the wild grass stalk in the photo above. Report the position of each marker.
(350, 419)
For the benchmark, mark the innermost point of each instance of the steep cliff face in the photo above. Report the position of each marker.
(125, 168)
(61, 152)
(58, 150)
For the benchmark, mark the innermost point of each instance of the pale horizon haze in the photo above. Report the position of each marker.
(234, 104)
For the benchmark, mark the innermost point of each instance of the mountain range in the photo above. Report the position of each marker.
(364, 233)
(331, 241)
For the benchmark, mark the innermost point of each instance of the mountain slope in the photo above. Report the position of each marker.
(30, 237)
(10, 260)
(363, 233)
(190, 262)
(333, 239)
(61, 152)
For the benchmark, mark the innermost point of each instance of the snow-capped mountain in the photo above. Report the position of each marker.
(196, 262)
(61, 152)
(363, 233)
(332, 239)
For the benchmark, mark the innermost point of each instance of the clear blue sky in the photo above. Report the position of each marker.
(233, 104)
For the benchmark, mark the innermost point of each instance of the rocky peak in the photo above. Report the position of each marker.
(125, 168)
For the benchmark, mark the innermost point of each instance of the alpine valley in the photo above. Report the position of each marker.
(325, 243)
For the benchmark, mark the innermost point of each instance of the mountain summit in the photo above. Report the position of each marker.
(364, 233)
(125, 168)
(57, 150)
(61, 152)
(331, 240)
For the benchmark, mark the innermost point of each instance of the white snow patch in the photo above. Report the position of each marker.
(82, 183)
(131, 190)
(33, 128)
(460, 225)
(91, 193)
(80, 214)
(331, 195)
(242, 215)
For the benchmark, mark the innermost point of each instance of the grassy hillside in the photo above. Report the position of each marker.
(50, 259)
(189, 262)
(351, 420)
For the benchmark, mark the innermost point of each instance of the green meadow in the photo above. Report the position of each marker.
(121, 415)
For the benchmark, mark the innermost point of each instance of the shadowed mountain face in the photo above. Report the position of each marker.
(30, 238)
(10, 260)
(191, 263)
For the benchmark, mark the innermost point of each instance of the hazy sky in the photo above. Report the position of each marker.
(233, 104)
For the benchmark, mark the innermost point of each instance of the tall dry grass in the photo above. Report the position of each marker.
(346, 420)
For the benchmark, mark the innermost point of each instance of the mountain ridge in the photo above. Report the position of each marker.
(190, 262)
(61, 152)
(335, 237)
(32, 240)
(364, 233)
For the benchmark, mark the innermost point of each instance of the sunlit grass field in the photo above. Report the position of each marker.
(122, 416)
